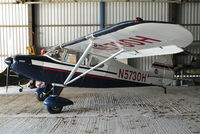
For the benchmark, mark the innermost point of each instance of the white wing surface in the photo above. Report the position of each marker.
(138, 39)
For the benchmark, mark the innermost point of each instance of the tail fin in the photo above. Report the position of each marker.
(163, 67)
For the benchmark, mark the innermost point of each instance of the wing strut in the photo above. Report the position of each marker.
(112, 56)
(67, 81)
(79, 62)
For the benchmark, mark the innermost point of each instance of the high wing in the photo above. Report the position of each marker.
(136, 38)
(129, 39)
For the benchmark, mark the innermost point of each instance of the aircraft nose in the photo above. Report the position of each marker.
(8, 61)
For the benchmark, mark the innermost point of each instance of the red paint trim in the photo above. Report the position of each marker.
(77, 73)
(58, 70)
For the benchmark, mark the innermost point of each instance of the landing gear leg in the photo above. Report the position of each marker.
(165, 89)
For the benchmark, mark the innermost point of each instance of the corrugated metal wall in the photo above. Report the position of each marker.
(13, 31)
(59, 23)
(189, 16)
(122, 11)
(8, 0)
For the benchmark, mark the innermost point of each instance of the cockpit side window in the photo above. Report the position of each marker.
(94, 61)
(68, 56)
(63, 55)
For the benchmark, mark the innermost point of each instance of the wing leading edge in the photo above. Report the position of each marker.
(137, 39)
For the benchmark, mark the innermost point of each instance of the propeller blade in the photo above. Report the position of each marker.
(9, 62)
(7, 78)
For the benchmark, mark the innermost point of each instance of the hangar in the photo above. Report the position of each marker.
(29, 26)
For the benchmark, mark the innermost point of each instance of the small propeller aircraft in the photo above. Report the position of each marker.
(98, 66)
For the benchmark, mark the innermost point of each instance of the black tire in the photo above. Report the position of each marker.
(20, 90)
(41, 97)
(54, 110)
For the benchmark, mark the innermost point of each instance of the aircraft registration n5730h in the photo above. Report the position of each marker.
(98, 61)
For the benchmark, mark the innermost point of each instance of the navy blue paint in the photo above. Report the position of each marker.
(110, 29)
(39, 90)
(102, 15)
(51, 76)
(74, 41)
(8, 61)
(46, 89)
(57, 101)
(46, 59)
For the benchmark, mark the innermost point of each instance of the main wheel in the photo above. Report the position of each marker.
(41, 96)
(54, 110)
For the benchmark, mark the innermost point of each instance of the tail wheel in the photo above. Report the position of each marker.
(21, 89)
(54, 110)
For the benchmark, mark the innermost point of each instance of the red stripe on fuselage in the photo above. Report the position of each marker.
(77, 73)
